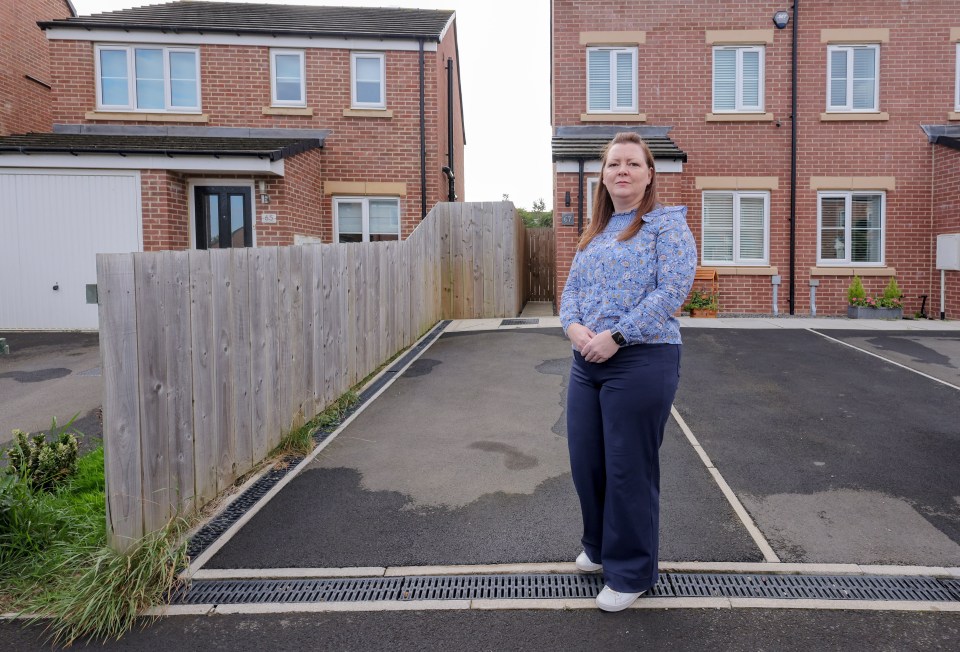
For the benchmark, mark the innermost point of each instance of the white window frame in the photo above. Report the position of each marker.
(956, 102)
(356, 104)
(274, 101)
(848, 107)
(739, 106)
(365, 214)
(614, 107)
(131, 104)
(737, 260)
(848, 228)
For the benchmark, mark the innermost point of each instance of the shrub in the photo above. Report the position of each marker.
(856, 294)
(44, 465)
(891, 295)
(703, 299)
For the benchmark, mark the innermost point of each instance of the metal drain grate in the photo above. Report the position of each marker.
(518, 322)
(567, 586)
(222, 522)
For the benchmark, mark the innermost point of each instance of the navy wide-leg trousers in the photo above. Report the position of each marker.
(616, 414)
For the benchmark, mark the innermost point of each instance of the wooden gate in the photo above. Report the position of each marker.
(540, 264)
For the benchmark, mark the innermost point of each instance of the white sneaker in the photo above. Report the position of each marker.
(584, 564)
(610, 600)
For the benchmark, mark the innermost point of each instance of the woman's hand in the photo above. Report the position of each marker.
(600, 348)
(579, 335)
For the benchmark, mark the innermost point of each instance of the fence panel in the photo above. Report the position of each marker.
(541, 264)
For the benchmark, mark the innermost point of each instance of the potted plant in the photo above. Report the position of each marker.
(703, 304)
(886, 306)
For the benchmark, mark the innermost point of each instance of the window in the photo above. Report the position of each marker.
(367, 71)
(592, 185)
(736, 228)
(738, 79)
(850, 227)
(287, 86)
(852, 78)
(366, 219)
(612, 80)
(148, 78)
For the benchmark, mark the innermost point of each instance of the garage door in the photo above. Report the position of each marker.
(52, 226)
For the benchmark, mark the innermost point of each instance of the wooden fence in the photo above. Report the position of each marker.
(210, 356)
(541, 267)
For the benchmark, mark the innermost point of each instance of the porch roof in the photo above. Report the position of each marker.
(273, 149)
(244, 18)
(586, 142)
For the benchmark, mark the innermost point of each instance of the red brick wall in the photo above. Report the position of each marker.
(946, 219)
(25, 105)
(163, 202)
(235, 87)
(916, 87)
(447, 50)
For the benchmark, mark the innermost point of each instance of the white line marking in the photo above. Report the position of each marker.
(902, 366)
(224, 538)
(758, 538)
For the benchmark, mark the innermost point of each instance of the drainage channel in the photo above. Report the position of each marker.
(210, 532)
(566, 586)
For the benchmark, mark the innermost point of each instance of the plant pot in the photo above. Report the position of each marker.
(862, 312)
(703, 312)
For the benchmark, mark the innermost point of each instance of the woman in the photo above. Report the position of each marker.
(633, 269)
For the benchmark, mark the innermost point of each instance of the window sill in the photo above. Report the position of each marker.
(613, 117)
(953, 116)
(880, 116)
(852, 271)
(132, 116)
(368, 113)
(739, 117)
(287, 110)
(745, 270)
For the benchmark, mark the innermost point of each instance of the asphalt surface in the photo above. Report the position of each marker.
(464, 461)
(730, 630)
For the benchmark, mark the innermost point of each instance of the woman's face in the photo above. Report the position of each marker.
(626, 175)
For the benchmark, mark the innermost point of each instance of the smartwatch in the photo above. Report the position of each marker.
(618, 338)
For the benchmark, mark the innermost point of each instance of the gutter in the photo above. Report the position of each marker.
(178, 29)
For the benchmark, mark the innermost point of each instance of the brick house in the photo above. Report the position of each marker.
(25, 94)
(210, 124)
(877, 132)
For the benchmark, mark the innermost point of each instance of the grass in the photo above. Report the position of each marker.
(54, 558)
(300, 441)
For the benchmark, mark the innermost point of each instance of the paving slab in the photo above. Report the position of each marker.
(463, 460)
(840, 457)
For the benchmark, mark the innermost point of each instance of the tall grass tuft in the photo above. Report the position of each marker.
(300, 441)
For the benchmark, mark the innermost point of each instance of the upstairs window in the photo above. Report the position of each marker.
(612, 80)
(850, 227)
(853, 78)
(147, 78)
(738, 79)
(287, 85)
(368, 74)
(736, 228)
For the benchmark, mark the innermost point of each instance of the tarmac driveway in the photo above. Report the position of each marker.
(50, 375)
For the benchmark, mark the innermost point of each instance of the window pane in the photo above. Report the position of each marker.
(598, 71)
(752, 228)
(384, 216)
(236, 221)
(351, 237)
(183, 79)
(838, 78)
(833, 228)
(751, 79)
(368, 83)
(865, 229)
(113, 77)
(864, 78)
(288, 91)
(350, 218)
(287, 66)
(368, 92)
(368, 69)
(288, 82)
(624, 80)
(718, 227)
(213, 220)
(724, 80)
(149, 70)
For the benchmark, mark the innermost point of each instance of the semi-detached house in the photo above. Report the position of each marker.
(209, 124)
(709, 86)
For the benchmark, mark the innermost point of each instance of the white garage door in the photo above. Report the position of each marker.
(52, 226)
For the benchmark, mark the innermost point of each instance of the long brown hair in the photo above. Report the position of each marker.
(603, 204)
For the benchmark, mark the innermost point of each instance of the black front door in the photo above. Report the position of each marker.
(224, 217)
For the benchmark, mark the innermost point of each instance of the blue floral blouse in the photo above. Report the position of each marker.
(634, 286)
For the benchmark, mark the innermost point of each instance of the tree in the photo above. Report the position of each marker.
(539, 206)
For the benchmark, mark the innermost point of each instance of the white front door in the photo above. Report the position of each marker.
(53, 223)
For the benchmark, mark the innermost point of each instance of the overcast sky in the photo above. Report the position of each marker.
(506, 97)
